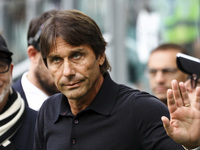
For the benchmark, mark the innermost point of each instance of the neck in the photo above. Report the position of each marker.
(3, 102)
(77, 106)
(164, 101)
(32, 78)
(80, 104)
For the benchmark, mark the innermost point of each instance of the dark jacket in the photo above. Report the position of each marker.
(24, 137)
(18, 87)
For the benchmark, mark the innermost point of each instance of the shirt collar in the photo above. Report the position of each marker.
(64, 109)
(35, 97)
(106, 97)
(102, 104)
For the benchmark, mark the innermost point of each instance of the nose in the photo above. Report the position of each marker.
(68, 69)
(159, 77)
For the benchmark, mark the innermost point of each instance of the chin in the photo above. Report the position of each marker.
(73, 95)
(164, 100)
(161, 97)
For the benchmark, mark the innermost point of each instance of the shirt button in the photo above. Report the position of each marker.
(73, 141)
(76, 121)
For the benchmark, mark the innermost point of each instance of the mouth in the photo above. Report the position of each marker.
(73, 85)
(160, 90)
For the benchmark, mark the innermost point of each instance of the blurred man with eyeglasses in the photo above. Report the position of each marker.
(162, 69)
(17, 121)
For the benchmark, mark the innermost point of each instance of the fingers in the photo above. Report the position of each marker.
(197, 99)
(198, 94)
(184, 93)
(166, 124)
(176, 93)
(170, 101)
(165, 121)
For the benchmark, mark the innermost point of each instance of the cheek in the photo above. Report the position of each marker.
(92, 65)
(181, 77)
(55, 75)
(152, 81)
(5, 80)
(85, 69)
(168, 81)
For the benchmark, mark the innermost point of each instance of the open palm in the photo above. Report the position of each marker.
(184, 124)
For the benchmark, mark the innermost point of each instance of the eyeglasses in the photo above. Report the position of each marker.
(165, 71)
(4, 65)
(194, 80)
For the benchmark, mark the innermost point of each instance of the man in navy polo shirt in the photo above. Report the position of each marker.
(92, 112)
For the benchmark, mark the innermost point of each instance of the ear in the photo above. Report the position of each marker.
(32, 53)
(102, 59)
(11, 69)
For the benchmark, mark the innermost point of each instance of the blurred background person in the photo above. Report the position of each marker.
(36, 85)
(17, 121)
(162, 69)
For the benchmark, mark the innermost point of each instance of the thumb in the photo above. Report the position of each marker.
(166, 124)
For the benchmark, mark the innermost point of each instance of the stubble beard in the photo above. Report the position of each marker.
(5, 91)
(49, 88)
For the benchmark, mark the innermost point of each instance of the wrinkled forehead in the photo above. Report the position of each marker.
(60, 43)
(162, 59)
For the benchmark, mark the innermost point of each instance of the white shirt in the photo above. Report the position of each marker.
(35, 97)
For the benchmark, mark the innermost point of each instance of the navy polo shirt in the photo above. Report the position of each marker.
(119, 118)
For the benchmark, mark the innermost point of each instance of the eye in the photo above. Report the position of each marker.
(77, 55)
(152, 71)
(55, 60)
(169, 70)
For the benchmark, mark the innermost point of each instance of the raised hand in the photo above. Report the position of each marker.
(184, 124)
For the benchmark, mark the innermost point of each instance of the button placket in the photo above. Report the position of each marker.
(73, 141)
(76, 121)
(74, 134)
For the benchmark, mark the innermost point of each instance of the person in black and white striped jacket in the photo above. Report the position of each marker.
(17, 121)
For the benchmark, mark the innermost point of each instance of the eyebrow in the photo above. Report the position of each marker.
(71, 52)
(52, 56)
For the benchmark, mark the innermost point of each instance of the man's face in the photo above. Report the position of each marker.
(75, 70)
(5, 81)
(162, 70)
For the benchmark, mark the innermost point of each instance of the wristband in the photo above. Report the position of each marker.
(197, 148)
